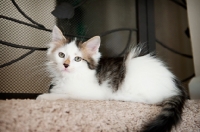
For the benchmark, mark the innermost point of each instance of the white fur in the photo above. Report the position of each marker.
(146, 80)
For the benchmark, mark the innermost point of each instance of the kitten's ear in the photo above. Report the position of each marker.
(57, 34)
(92, 45)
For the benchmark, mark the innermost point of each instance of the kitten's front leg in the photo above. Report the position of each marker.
(51, 96)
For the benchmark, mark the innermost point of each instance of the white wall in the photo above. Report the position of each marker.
(193, 8)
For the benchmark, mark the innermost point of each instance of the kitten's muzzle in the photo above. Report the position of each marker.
(66, 65)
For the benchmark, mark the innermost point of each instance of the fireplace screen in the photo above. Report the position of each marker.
(25, 30)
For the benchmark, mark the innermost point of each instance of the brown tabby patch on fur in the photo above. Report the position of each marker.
(112, 70)
(60, 43)
(86, 56)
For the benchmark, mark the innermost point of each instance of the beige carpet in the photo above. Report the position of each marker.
(86, 116)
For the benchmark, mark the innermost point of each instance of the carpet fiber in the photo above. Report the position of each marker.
(86, 116)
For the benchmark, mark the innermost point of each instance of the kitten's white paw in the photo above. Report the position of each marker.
(44, 97)
(51, 96)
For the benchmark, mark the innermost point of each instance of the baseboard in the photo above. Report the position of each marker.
(5, 96)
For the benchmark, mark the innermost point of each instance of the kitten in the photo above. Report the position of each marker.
(78, 72)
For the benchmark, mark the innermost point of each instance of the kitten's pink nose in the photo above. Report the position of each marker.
(66, 65)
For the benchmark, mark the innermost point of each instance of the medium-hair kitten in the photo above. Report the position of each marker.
(78, 72)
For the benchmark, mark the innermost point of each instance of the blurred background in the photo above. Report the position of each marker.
(25, 31)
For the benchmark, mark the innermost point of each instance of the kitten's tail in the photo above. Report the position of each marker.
(170, 114)
(136, 51)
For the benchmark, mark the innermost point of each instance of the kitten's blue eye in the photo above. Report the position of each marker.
(77, 58)
(61, 54)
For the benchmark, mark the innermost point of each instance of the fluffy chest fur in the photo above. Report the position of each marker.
(80, 85)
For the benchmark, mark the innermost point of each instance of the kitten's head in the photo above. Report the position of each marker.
(68, 56)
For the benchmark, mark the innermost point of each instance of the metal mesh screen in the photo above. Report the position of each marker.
(23, 37)
(20, 70)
